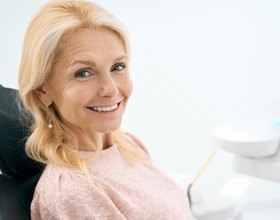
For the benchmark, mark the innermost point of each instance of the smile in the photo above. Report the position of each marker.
(104, 109)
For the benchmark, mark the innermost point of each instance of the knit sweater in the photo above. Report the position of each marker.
(114, 190)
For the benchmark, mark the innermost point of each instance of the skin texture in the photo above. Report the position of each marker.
(91, 70)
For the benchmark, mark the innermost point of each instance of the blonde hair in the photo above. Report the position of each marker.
(44, 39)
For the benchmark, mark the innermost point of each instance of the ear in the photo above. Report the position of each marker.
(43, 96)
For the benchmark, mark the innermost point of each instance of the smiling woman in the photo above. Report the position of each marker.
(56, 45)
(74, 79)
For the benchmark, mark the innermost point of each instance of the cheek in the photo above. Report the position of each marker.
(71, 99)
(127, 87)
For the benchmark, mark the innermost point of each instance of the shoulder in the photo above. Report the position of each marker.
(59, 184)
(138, 142)
(63, 191)
(54, 177)
(56, 182)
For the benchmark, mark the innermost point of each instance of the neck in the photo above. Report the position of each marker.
(90, 142)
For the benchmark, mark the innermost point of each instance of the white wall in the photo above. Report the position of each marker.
(194, 63)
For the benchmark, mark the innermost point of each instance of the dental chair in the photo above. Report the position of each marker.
(19, 174)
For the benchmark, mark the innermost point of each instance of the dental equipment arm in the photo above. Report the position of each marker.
(256, 148)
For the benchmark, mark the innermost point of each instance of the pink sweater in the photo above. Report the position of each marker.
(114, 191)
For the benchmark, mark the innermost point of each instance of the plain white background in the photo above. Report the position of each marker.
(195, 63)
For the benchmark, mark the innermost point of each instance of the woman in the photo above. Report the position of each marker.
(74, 79)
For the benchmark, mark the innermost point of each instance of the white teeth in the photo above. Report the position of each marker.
(104, 109)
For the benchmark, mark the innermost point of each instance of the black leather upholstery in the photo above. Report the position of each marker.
(19, 174)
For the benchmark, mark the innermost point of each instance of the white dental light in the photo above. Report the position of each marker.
(256, 148)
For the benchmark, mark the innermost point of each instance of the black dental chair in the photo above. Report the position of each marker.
(19, 174)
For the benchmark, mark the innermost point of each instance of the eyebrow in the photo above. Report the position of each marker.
(85, 62)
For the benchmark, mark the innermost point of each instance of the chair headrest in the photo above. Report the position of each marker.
(14, 131)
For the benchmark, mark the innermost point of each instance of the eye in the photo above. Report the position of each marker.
(118, 67)
(82, 74)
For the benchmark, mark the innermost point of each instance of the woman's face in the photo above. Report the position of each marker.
(90, 83)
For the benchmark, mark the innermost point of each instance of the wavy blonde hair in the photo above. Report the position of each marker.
(44, 39)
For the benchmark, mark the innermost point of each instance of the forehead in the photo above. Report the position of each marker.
(94, 43)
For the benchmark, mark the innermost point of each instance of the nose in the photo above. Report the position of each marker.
(107, 87)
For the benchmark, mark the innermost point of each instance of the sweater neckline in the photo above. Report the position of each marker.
(92, 152)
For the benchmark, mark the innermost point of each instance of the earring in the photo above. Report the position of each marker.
(50, 125)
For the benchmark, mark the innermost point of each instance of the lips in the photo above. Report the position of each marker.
(104, 108)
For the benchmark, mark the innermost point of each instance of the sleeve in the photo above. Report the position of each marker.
(74, 203)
